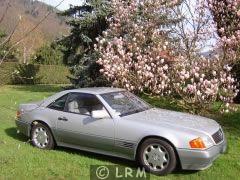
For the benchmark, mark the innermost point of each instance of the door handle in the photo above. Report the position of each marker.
(62, 119)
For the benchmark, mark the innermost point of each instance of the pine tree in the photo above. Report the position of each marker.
(87, 22)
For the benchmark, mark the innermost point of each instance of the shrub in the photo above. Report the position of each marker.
(48, 55)
(6, 70)
(53, 74)
(25, 74)
(47, 74)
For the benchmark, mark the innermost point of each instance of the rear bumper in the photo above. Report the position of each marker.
(199, 160)
(23, 127)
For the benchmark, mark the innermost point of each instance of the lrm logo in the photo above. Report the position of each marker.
(112, 172)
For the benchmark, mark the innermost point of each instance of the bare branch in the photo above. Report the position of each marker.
(194, 31)
(11, 34)
(5, 12)
(29, 32)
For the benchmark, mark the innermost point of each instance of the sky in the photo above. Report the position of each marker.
(64, 5)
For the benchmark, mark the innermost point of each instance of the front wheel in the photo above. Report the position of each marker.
(157, 156)
(41, 137)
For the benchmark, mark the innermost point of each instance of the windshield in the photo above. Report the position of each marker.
(125, 103)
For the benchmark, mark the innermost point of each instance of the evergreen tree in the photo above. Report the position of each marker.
(87, 23)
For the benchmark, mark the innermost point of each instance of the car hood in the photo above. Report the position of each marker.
(179, 120)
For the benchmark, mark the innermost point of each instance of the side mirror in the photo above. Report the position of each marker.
(100, 114)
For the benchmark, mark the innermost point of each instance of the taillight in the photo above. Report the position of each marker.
(18, 115)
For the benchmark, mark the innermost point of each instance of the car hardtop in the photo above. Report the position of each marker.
(95, 90)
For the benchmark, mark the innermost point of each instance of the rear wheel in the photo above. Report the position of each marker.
(157, 156)
(41, 137)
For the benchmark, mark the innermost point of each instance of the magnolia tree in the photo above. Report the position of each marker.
(136, 53)
(201, 82)
(197, 80)
(134, 50)
(196, 31)
(227, 17)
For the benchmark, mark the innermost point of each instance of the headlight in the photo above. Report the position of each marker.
(201, 143)
(208, 142)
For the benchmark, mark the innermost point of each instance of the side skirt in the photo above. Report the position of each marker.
(96, 151)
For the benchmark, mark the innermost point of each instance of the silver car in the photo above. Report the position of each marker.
(115, 122)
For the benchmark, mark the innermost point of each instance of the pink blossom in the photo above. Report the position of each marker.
(129, 63)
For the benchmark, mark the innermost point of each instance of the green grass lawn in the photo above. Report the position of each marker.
(19, 160)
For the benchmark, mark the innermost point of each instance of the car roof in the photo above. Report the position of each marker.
(97, 90)
(93, 90)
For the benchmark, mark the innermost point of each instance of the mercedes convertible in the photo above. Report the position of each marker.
(115, 122)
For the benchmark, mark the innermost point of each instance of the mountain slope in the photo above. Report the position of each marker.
(31, 12)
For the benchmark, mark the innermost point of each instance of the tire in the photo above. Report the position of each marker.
(159, 162)
(41, 137)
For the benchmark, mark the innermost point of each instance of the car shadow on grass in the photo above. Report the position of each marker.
(116, 161)
(12, 132)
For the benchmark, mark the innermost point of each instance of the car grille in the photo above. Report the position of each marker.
(218, 136)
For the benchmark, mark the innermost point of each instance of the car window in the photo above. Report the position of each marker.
(59, 104)
(82, 103)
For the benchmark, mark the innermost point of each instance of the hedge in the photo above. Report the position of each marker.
(47, 74)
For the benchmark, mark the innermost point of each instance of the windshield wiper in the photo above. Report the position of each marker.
(132, 112)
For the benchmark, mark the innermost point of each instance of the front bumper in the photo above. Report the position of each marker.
(23, 127)
(198, 159)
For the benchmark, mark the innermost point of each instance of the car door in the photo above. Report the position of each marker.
(75, 125)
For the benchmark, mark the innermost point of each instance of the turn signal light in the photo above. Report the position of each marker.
(197, 144)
